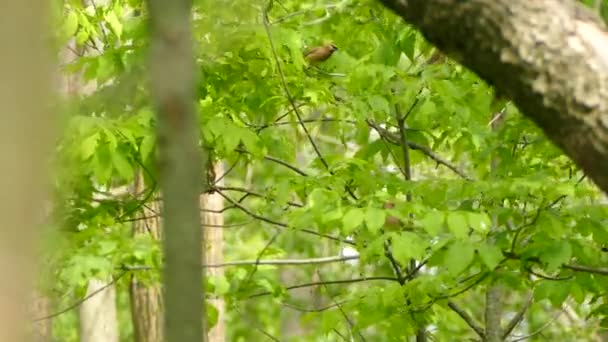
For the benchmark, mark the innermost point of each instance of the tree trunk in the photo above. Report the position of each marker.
(214, 239)
(146, 300)
(41, 307)
(172, 76)
(26, 141)
(549, 56)
(98, 321)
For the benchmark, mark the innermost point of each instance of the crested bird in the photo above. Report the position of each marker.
(320, 53)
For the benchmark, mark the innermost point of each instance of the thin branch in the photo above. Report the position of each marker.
(281, 224)
(278, 161)
(392, 138)
(467, 318)
(546, 277)
(329, 282)
(238, 158)
(351, 324)
(82, 300)
(285, 262)
(254, 193)
(284, 84)
(394, 263)
(260, 254)
(539, 330)
(518, 317)
(321, 309)
(587, 269)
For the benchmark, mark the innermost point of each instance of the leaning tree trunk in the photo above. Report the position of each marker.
(146, 299)
(212, 223)
(549, 56)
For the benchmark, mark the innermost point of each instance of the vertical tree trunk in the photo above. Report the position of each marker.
(98, 321)
(493, 307)
(41, 307)
(180, 164)
(214, 243)
(146, 300)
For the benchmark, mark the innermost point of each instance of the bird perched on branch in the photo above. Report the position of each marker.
(320, 53)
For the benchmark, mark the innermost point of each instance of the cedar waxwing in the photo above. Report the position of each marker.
(320, 53)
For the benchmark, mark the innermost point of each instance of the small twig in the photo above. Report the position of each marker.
(351, 324)
(260, 254)
(238, 158)
(278, 161)
(254, 193)
(539, 330)
(467, 318)
(325, 308)
(82, 300)
(518, 317)
(328, 282)
(587, 269)
(546, 277)
(281, 224)
(393, 139)
(285, 262)
(284, 84)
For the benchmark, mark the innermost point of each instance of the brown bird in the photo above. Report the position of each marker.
(320, 53)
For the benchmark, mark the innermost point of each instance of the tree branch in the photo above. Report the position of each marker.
(467, 318)
(555, 70)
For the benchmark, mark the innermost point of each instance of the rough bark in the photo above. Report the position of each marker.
(98, 319)
(549, 56)
(146, 299)
(173, 82)
(214, 239)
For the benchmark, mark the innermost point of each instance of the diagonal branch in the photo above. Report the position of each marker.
(518, 317)
(393, 139)
(467, 318)
(281, 224)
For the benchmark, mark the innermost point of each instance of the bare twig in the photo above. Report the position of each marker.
(82, 300)
(281, 224)
(285, 262)
(587, 269)
(278, 161)
(518, 317)
(392, 138)
(329, 282)
(290, 97)
(467, 318)
(254, 193)
(539, 330)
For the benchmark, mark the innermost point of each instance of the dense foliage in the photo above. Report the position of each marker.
(313, 155)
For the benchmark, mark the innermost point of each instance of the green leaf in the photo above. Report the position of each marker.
(379, 104)
(114, 23)
(122, 165)
(458, 224)
(490, 255)
(354, 218)
(555, 291)
(88, 146)
(480, 222)
(146, 147)
(70, 24)
(433, 222)
(556, 254)
(374, 219)
(407, 246)
(458, 257)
